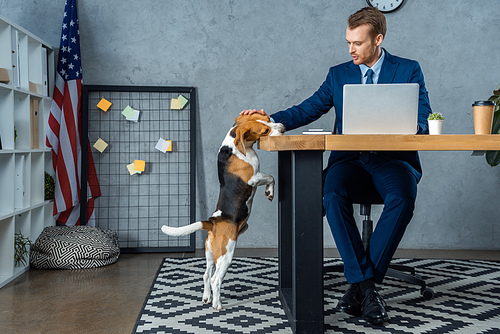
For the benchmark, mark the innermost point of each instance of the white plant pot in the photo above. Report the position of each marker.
(435, 126)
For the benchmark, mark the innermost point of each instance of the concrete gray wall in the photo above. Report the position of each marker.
(273, 54)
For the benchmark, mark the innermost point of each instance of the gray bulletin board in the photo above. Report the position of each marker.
(137, 205)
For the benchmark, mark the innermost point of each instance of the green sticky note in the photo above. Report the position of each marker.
(128, 112)
(183, 100)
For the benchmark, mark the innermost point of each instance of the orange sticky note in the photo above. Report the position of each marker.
(104, 104)
(139, 165)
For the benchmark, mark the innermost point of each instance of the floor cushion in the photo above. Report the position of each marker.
(74, 247)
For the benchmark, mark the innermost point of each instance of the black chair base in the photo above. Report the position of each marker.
(404, 273)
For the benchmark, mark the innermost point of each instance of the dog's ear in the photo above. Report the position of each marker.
(239, 119)
(258, 130)
(240, 139)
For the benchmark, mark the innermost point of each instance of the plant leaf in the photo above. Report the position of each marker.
(493, 158)
(496, 123)
(495, 99)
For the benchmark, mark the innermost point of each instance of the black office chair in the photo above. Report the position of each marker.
(402, 272)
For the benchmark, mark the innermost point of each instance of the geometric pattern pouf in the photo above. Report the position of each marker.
(466, 300)
(74, 247)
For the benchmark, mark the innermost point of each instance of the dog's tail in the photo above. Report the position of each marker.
(185, 230)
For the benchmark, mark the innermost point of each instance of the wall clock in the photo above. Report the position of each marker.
(386, 6)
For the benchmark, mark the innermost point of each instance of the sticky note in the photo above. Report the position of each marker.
(175, 104)
(128, 112)
(104, 104)
(139, 165)
(131, 170)
(135, 116)
(184, 101)
(164, 145)
(100, 145)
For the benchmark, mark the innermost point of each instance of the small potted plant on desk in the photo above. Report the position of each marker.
(435, 121)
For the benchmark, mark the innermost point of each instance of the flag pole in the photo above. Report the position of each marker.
(85, 152)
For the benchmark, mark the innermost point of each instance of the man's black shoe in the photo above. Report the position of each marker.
(350, 303)
(373, 307)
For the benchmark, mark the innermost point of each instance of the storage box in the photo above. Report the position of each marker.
(4, 76)
(33, 87)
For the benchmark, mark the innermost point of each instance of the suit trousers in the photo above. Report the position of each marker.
(348, 182)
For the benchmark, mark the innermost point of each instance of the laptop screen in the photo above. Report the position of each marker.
(380, 109)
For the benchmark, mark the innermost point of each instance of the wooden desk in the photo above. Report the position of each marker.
(300, 221)
(381, 143)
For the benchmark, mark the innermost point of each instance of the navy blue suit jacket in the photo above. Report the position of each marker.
(330, 94)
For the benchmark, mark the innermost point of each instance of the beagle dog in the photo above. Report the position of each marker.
(239, 177)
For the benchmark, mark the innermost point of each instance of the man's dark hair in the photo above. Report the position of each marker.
(371, 16)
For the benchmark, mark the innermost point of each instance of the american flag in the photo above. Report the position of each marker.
(64, 129)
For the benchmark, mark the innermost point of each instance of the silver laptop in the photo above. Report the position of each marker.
(380, 109)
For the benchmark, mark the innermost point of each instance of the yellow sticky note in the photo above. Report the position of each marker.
(175, 104)
(104, 104)
(131, 170)
(139, 165)
(100, 145)
(184, 101)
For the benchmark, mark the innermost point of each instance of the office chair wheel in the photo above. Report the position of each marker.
(427, 293)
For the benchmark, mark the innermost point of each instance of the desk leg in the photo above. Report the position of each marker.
(300, 230)
(285, 218)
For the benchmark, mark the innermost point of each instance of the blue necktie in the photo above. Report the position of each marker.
(365, 156)
(368, 76)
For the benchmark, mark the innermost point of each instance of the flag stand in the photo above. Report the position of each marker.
(84, 144)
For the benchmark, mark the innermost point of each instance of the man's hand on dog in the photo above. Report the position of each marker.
(253, 111)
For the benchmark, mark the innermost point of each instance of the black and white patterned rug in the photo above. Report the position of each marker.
(467, 300)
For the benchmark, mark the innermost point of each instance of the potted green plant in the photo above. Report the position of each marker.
(435, 121)
(22, 247)
(493, 157)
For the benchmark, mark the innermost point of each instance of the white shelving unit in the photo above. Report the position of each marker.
(25, 101)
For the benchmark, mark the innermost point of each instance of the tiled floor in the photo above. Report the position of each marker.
(108, 299)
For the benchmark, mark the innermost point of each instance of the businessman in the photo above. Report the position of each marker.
(350, 176)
